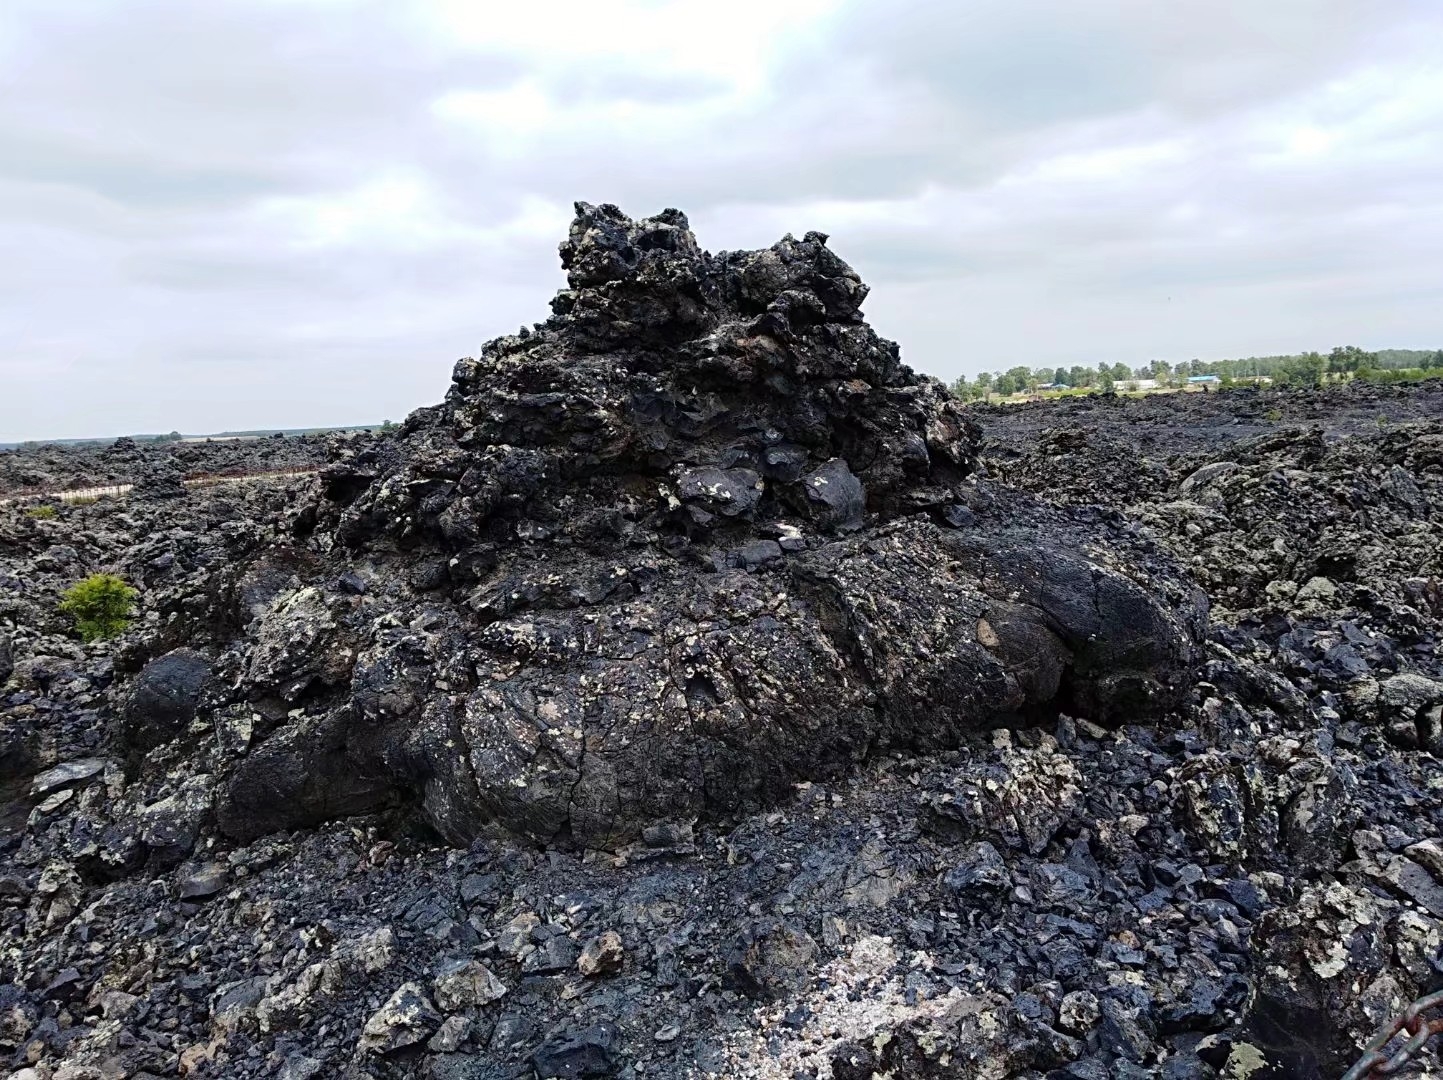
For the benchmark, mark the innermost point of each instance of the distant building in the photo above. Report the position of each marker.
(1203, 380)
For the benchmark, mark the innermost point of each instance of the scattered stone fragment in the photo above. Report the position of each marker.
(18, 1016)
(982, 871)
(453, 1031)
(555, 954)
(463, 984)
(602, 955)
(667, 838)
(590, 1052)
(516, 934)
(407, 1018)
(1079, 1012)
(202, 881)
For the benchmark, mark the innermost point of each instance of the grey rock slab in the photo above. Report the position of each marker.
(70, 772)
(203, 881)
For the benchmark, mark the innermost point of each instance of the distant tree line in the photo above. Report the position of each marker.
(1300, 369)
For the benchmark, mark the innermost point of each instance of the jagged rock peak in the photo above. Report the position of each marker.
(737, 388)
(644, 287)
(607, 255)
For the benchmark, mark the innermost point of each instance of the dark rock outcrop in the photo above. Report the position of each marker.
(163, 699)
(679, 547)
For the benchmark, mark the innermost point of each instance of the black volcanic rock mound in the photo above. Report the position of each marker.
(679, 547)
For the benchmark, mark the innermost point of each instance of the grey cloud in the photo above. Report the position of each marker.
(573, 86)
(171, 100)
(1040, 61)
(890, 98)
(1000, 66)
(130, 179)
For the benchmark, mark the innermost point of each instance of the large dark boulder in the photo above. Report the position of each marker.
(696, 538)
(162, 700)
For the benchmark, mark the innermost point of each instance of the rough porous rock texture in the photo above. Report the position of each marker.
(696, 538)
(576, 731)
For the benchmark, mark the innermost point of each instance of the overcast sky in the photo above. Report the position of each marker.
(255, 213)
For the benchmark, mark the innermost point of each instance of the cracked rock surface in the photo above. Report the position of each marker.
(698, 692)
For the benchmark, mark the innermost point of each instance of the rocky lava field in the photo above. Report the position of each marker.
(699, 692)
(48, 469)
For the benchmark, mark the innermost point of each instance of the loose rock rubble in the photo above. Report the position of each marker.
(697, 691)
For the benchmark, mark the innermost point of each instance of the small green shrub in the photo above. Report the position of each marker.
(1274, 415)
(101, 606)
(41, 513)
